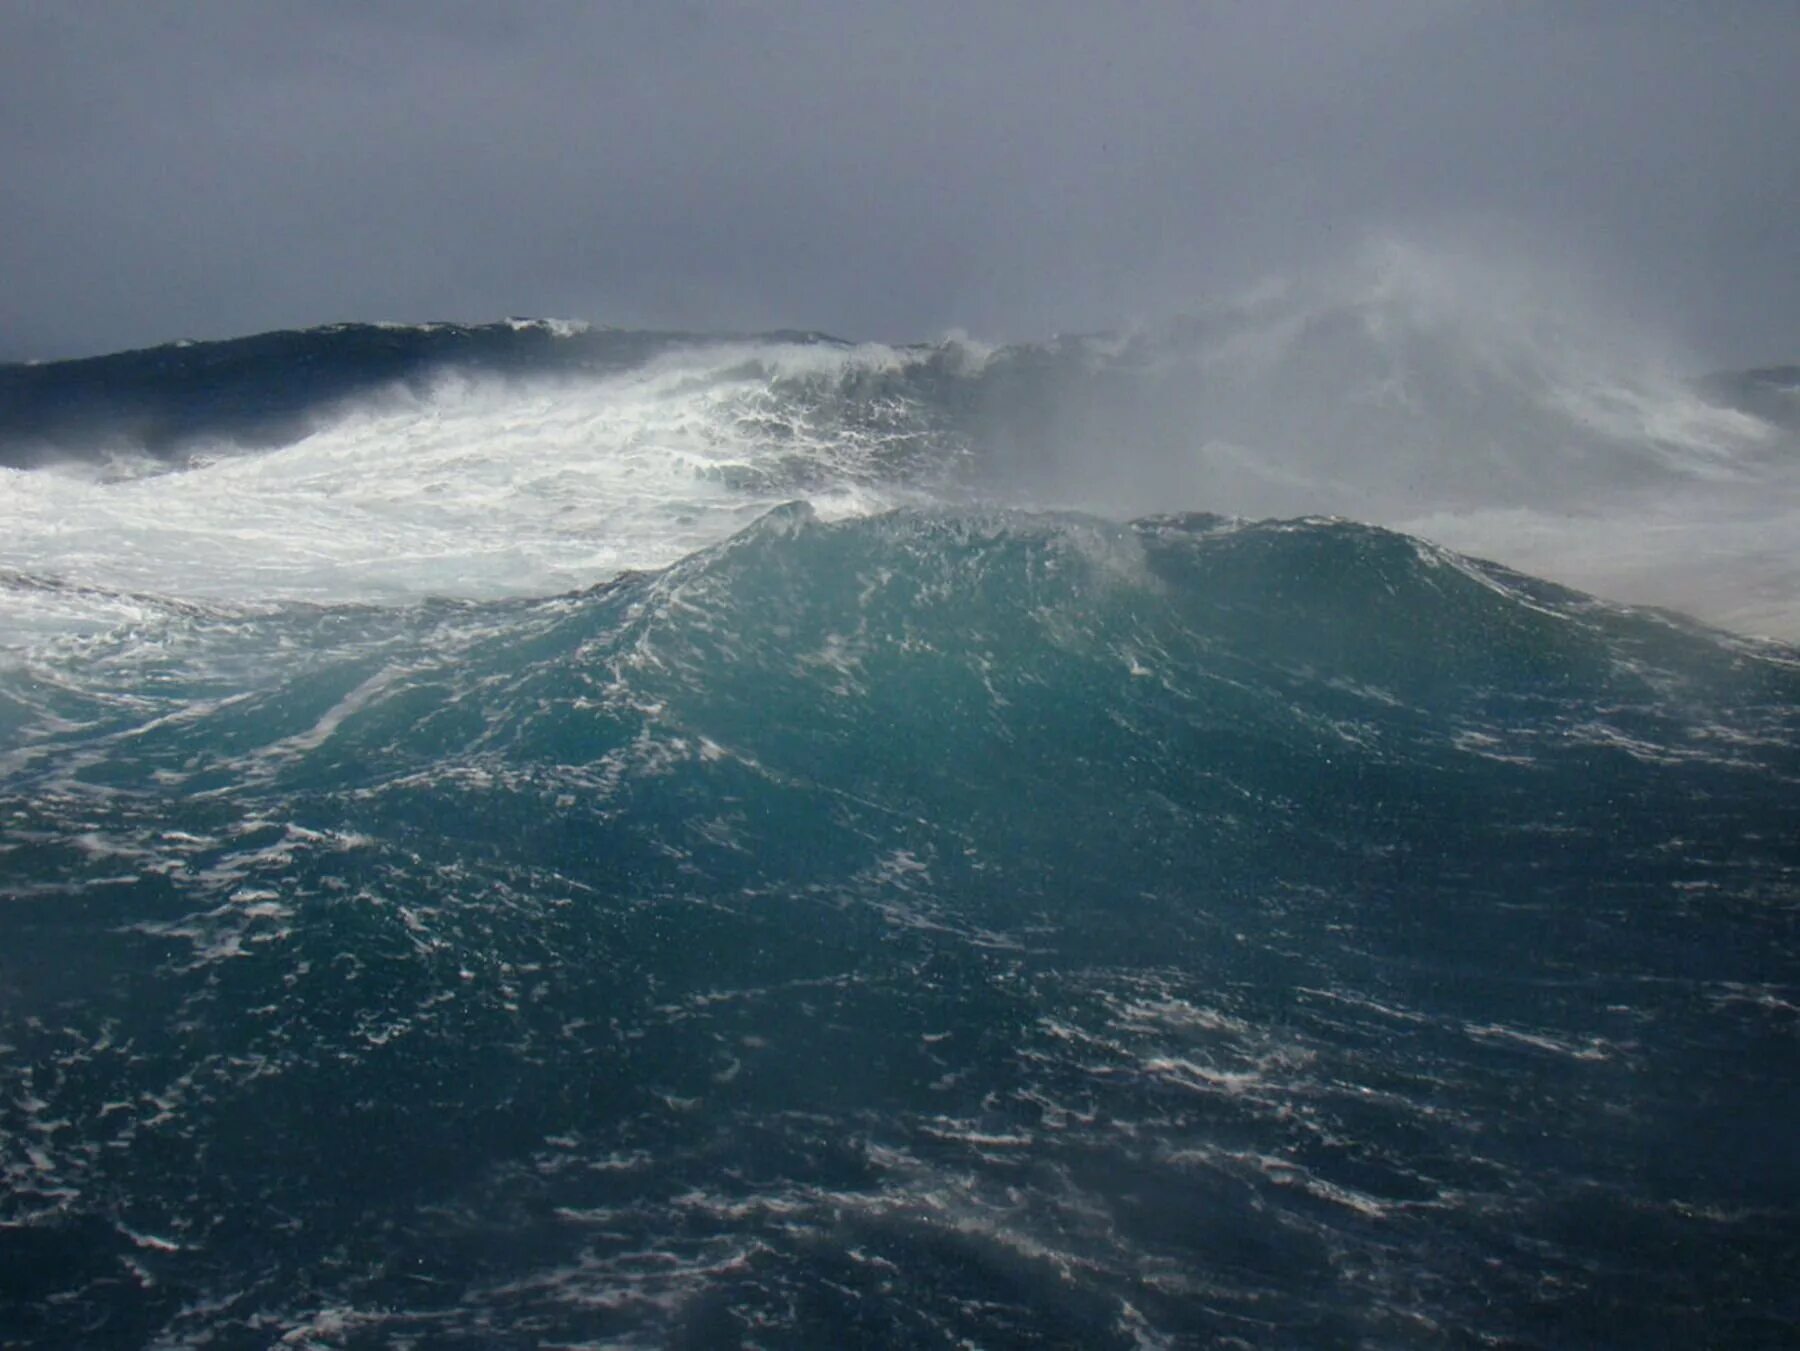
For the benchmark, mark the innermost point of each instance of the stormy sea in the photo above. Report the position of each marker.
(1275, 829)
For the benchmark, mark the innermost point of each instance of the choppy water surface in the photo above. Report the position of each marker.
(538, 889)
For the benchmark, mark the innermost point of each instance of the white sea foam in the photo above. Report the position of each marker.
(479, 488)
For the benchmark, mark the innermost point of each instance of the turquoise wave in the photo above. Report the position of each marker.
(1012, 927)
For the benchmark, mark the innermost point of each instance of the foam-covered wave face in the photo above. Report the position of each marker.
(930, 926)
(478, 486)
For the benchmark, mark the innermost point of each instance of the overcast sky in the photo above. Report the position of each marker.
(892, 171)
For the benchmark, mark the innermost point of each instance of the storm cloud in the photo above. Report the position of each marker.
(1013, 169)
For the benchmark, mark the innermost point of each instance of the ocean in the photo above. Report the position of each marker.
(1279, 830)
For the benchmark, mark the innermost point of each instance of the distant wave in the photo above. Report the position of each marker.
(387, 462)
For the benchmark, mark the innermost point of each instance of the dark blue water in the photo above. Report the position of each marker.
(945, 928)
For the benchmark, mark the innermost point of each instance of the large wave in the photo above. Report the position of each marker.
(948, 924)
(526, 835)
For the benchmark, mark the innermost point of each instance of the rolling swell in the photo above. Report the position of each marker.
(935, 925)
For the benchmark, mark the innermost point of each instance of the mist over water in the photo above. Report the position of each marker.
(1456, 399)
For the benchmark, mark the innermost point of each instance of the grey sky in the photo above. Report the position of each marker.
(878, 171)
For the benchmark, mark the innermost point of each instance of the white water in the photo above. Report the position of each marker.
(1444, 399)
(480, 489)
